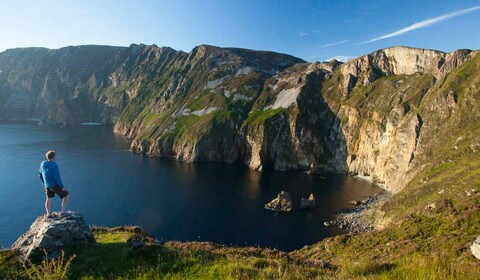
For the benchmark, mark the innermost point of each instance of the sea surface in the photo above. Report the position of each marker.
(205, 201)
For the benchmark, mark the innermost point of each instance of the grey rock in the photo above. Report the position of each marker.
(475, 248)
(355, 202)
(431, 206)
(53, 234)
(139, 241)
(283, 203)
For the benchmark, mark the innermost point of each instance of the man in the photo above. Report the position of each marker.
(51, 180)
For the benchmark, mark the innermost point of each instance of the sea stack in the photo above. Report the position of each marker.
(283, 203)
(308, 203)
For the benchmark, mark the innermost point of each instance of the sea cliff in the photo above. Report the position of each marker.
(377, 116)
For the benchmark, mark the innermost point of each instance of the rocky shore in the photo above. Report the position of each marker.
(355, 220)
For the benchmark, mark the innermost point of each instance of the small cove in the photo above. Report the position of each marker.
(205, 201)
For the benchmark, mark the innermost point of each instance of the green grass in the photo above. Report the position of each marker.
(112, 257)
(10, 266)
(259, 117)
(190, 128)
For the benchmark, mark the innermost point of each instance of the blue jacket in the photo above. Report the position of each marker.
(50, 174)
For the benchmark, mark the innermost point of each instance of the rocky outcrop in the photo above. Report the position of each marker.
(400, 61)
(283, 203)
(475, 248)
(308, 203)
(51, 235)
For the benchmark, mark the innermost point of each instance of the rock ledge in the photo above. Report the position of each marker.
(53, 234)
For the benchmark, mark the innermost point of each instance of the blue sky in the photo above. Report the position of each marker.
(312, 30)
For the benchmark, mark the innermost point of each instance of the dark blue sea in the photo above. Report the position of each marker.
(173, 200)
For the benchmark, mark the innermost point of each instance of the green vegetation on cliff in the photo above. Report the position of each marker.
(259, 117)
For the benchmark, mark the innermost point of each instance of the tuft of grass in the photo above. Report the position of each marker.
(10, 266)
(54, 269)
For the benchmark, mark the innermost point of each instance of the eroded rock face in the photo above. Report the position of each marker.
(53, 235)
(401, 61)
(283, 203)
(383, 148)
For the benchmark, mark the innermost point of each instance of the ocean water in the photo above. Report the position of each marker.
(205, 201)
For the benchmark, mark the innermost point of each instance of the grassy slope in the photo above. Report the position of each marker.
(112, 257)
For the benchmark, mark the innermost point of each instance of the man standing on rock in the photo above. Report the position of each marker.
(51, 180)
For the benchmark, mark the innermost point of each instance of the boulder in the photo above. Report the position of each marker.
(475, 248)
(308, 203)
(140, 241)
(355, 202)
(283, 203)
(53, 234)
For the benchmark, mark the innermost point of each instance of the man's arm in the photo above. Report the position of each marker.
(56, 176)
(41, 176)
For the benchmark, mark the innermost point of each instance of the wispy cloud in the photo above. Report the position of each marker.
(327, 45)
(334, 44)
(302, 34)
(423, 24)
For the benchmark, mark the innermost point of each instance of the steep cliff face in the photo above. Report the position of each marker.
(58, 86)
(291, 126)
(378, 116)
(367, 117)
(192, 110)
(386, 115)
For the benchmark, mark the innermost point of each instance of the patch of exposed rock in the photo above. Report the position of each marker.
(53, 234)
(475, 248)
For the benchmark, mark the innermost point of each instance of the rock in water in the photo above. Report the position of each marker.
(475, 248)
(308, 203)
(283, 203)
(53, 234)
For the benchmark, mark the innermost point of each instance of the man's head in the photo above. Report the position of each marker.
(50, 155)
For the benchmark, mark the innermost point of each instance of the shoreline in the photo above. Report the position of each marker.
(355, 220)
